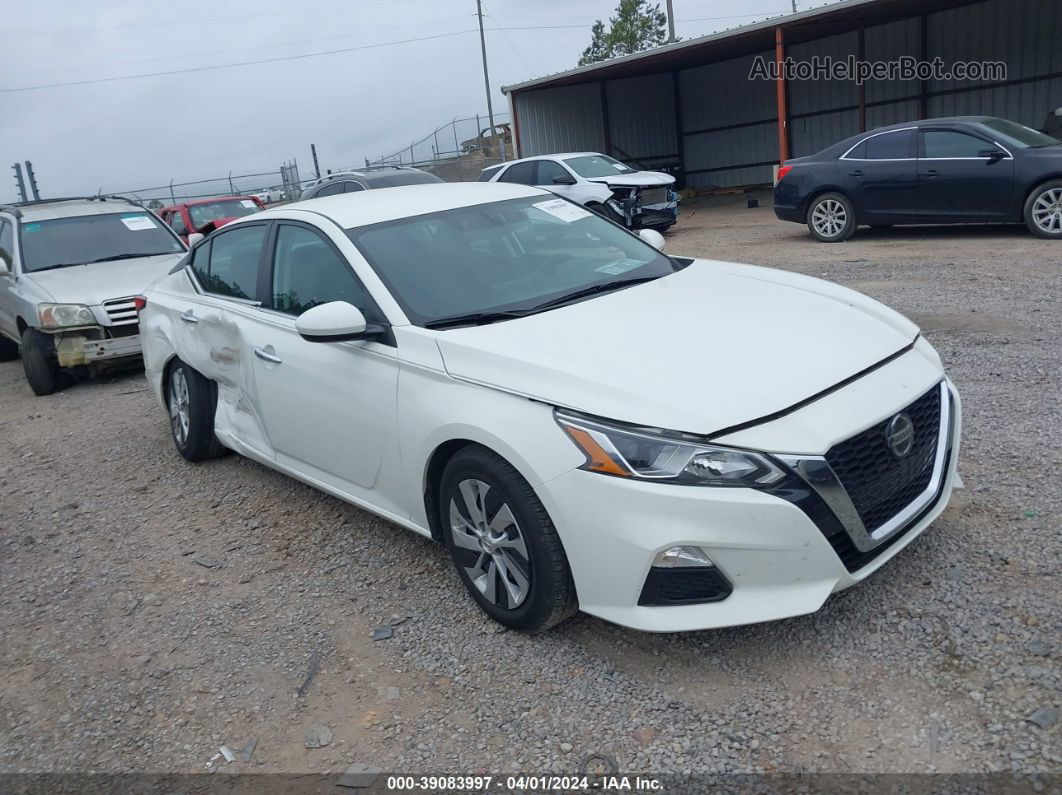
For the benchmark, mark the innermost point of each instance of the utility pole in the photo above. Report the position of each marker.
(671, 23)
(794, 6)
(316, 168)
(32, 181)
(486, 77)
(20, 182)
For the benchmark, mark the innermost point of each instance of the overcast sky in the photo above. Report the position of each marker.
(127, 134)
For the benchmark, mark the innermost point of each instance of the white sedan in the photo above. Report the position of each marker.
(586, 423)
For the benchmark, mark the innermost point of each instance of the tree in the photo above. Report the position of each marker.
(636, 26)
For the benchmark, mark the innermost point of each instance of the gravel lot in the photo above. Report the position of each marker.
(154, 610)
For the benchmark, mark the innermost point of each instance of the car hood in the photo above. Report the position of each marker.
(639, 179)
(93, 284)
(706, 348)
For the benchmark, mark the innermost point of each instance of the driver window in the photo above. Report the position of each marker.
(548, 171)
(307, 271)
(177, 223)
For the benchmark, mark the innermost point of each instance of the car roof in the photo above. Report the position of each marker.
(372, 207)
(553, 156)
(44, 209)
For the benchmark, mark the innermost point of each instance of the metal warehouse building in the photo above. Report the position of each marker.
(691, 109)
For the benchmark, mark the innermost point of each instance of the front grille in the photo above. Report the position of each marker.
(653, 196)
(879, 484)
(121, 311)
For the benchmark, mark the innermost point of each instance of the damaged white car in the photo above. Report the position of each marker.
(635, 199)
(70, 271)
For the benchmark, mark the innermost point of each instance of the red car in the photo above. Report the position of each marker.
(206, 215)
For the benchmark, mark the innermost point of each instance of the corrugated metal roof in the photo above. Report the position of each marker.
(674, 55)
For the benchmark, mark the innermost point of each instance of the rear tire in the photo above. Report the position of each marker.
(8, 350)
(831, 218)
(503, 543)
(1043, 210)
(191, 402)
(40, 364)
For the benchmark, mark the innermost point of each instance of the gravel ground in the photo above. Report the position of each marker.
(154, 610)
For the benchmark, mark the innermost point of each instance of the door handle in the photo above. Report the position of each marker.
(856, 173)
(189, 316)
(931, 173)
(267, 356)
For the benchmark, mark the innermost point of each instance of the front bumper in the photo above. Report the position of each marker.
(780, 561)
(74, 349)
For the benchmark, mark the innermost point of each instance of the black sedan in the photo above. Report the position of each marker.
(970, 169)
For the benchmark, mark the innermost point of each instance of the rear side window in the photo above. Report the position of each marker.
(889, 146)
(331, 190)
(486, 174)
(521, 173)
(947, 143)
(307, 271)
(231, 265)
(353, 187)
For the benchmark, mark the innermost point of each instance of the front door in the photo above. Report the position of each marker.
(957, 182)
(328, 408)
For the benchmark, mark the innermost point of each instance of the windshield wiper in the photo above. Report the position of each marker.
(56, 265)
(595, 289)
(114, 257)
(477, 318)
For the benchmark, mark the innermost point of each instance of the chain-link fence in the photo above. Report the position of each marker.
(281, 185)
(458, 150)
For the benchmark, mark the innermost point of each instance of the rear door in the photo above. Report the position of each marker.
(880, 175)
(956, 182)
(328, 408)
(7, 280)
(210, 332)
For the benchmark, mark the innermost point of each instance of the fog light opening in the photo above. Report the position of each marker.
(681, 557)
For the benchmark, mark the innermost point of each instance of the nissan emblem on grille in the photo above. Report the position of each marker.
(899, 435)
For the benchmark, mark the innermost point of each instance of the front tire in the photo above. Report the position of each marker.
(503, 543)
(191, 401)
(1043, 210)
(40, 364)
(831, 218)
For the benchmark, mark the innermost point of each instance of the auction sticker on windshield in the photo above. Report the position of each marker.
(247, 203)
(620, 266)
(137, 223)
(564, 210)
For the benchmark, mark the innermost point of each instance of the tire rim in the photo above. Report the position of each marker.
(489, 544)
(1047, 211)
(179, 410)
(829, 218)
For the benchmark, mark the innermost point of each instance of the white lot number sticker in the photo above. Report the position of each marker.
(619, 166)
(137, 223)
(250, 205)
(566, 211)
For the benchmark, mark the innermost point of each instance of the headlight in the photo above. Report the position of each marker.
(64, 315)
(650, 454)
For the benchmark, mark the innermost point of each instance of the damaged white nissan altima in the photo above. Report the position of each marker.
(585, 422)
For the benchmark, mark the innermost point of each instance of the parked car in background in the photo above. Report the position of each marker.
(485, 141)
(206, 215)
(269, 195)
(71, 271)
(475, 363)
(970, 169)
(635, 199)
(369, 179)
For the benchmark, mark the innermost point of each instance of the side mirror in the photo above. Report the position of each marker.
(563, 180)
(991, 154)
(194, 238)
(653, 238)
(336, 321)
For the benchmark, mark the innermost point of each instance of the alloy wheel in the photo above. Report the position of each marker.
(179, 406)
(490, 544)
(1047, 211)
(829, 218)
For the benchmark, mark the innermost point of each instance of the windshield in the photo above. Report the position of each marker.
(513, 255)
(82, 239)
(222, 208)
(597, 166)
(1018, 135)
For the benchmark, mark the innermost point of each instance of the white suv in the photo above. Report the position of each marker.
(667, 443)
(70, 274)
